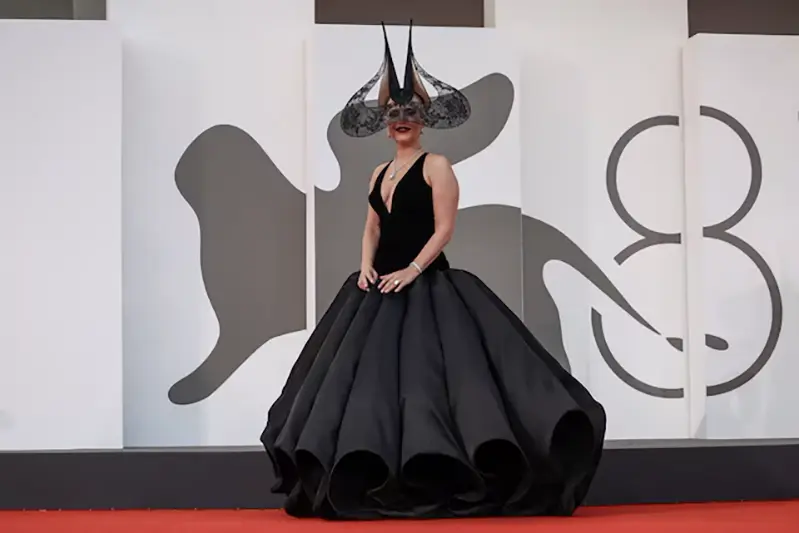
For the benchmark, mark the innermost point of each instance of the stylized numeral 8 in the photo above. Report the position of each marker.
(719, 232)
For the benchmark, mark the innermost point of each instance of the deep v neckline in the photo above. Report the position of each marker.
(393, 192)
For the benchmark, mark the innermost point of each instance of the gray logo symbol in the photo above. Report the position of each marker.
(252, 226)
(489, 241)
(252, 231)
(719, 231)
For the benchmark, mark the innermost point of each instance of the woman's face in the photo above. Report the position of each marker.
(405, 121)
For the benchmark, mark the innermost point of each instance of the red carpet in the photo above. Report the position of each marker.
(777, 517)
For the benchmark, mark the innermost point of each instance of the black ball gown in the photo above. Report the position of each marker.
(432, 402)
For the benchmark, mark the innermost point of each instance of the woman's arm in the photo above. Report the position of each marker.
(446, 194)
(371, 231)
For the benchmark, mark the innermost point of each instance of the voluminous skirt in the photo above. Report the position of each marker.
(432, 402)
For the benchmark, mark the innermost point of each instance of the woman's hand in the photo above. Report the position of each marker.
(368, 276)
(396, 281)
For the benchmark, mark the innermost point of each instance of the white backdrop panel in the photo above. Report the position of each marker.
(60, 274)
(591, 72)
(236, 68)
(741, 171)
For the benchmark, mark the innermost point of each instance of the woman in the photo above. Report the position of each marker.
(420, 394)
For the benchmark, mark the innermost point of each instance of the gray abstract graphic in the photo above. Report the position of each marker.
(488, 240)
(252, 226)
(544, 243)
(719, 231)
(340, 213)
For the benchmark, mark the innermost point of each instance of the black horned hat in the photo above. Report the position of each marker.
(448, 109)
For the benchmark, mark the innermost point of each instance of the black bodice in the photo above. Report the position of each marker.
(405, 230)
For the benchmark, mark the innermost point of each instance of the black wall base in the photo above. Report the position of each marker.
(236, 478)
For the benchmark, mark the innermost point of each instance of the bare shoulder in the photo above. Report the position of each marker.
(379, 168)
(376, 172)
(437, 163)
(437, 168)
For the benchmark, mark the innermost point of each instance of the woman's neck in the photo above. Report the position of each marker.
(407, 151)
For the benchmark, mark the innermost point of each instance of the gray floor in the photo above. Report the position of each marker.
(611, 444)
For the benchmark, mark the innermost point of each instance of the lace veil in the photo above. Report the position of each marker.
(448, 109)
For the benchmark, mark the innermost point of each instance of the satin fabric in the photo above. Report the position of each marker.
(432, 402)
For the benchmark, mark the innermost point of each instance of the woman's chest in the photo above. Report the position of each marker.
(411, 195)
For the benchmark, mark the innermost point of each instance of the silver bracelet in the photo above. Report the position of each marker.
(417, 267)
